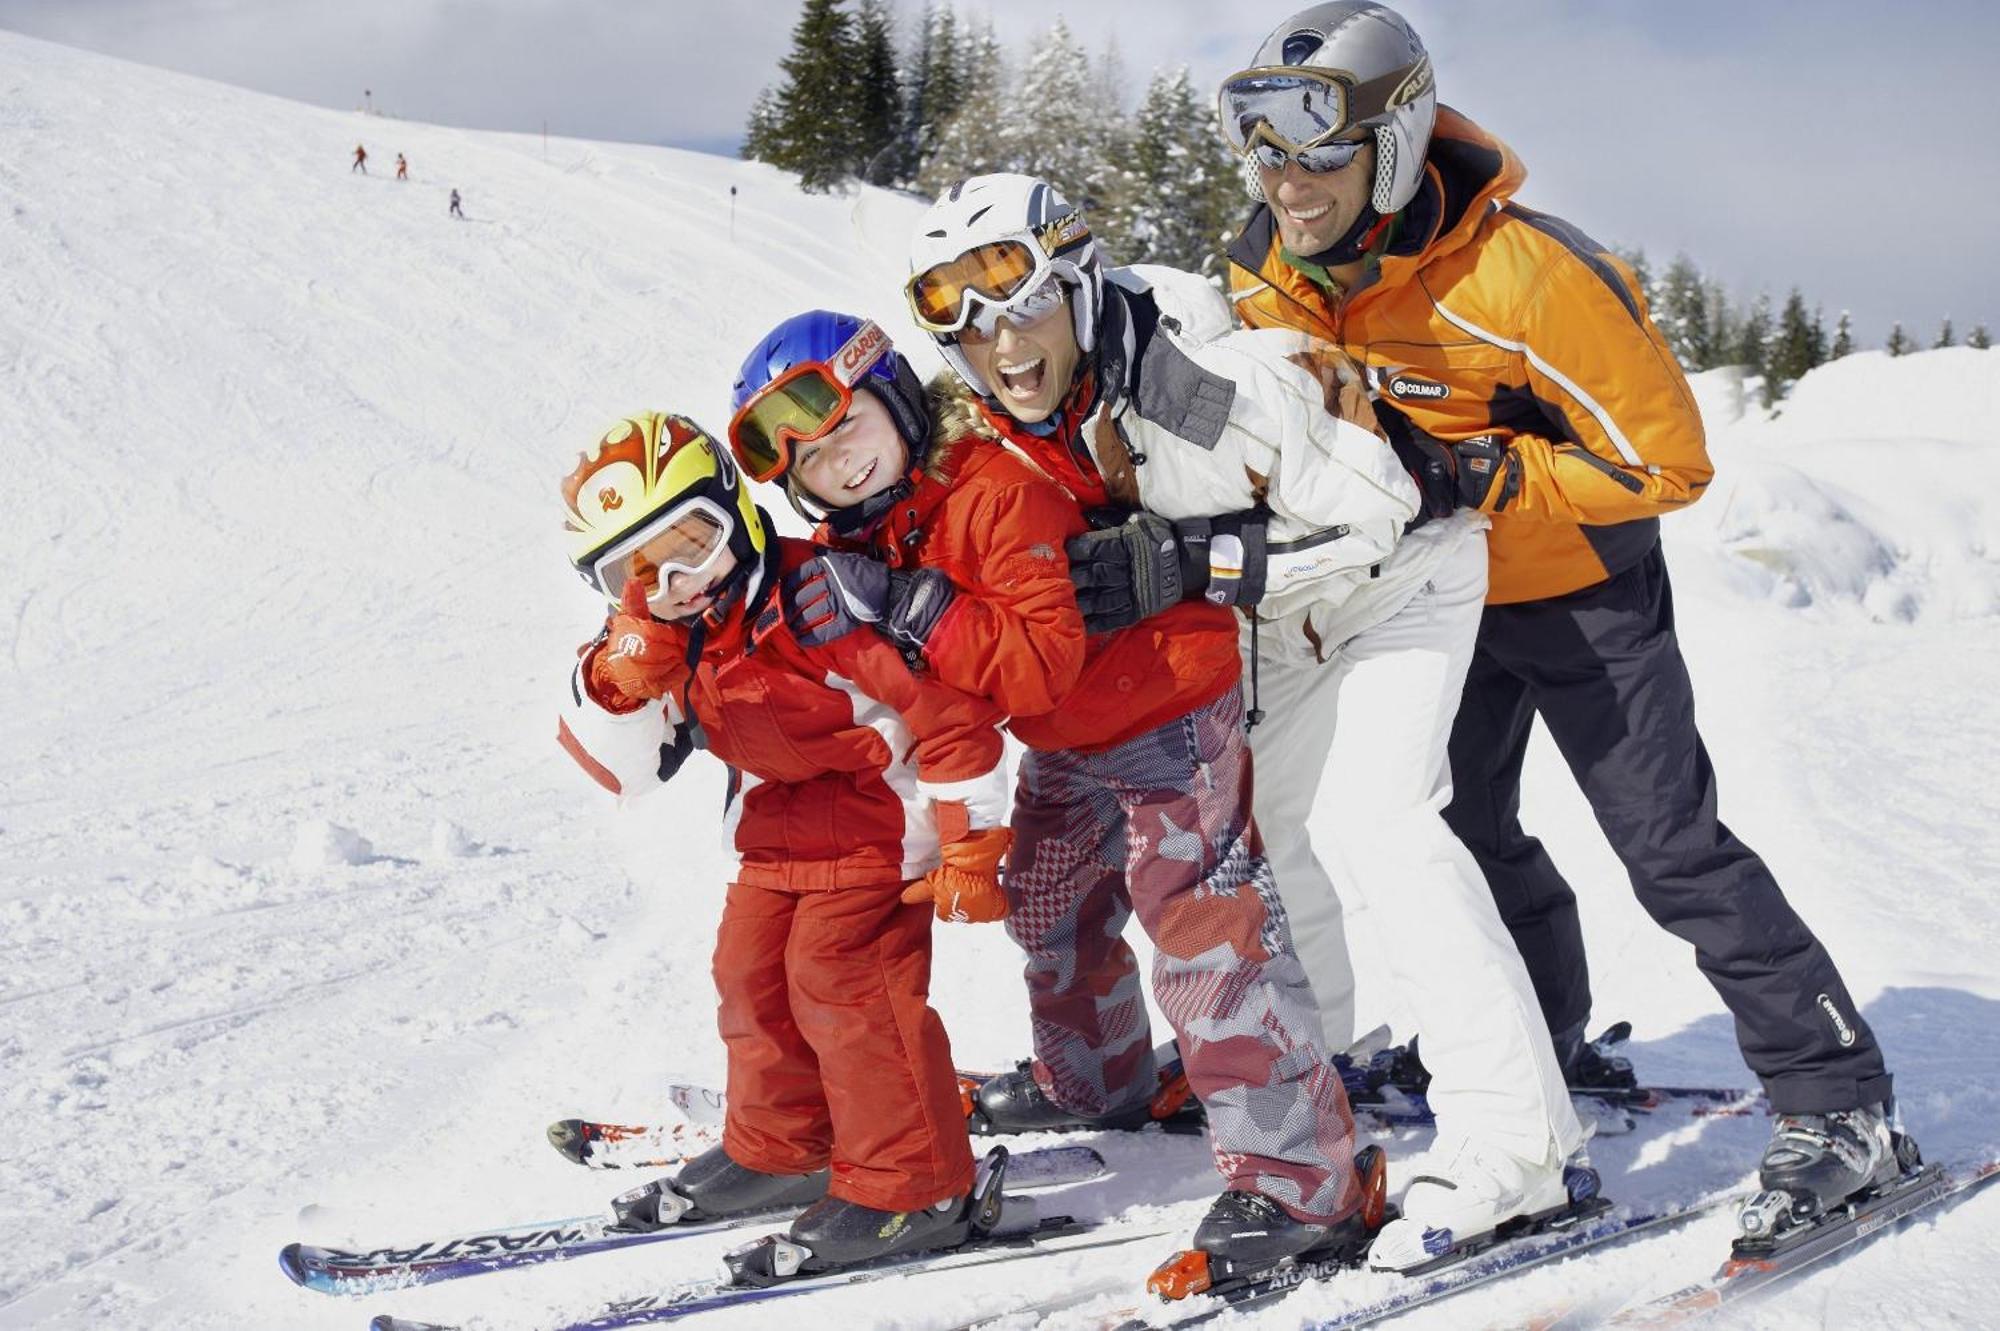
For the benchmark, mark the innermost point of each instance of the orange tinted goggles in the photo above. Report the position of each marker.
(995, 272)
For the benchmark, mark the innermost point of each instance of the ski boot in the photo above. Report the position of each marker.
(1821, 1164)
(1011, 1102)
(711, 1186)
(1247, 1239)
(833, 1234)
(1484, 1196)
(1590, 1067)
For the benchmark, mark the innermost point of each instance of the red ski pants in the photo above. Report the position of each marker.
(835, 1056)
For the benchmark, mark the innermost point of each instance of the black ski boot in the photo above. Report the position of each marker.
(1015, 1102)
(1590, 1066)
(1250, 1231)
(844, 1233)
(1820, 1160)
(711, 1186)
(1248, 1243)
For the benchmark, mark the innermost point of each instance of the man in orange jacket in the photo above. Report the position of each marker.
(1533, 387)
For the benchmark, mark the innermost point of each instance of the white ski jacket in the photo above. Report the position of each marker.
(1339, 559)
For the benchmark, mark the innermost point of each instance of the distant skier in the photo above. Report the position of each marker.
(848, 770)
(455, 210)
(402, 168)
(360, 161)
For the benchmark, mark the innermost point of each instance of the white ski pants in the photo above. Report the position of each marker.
(1372, 720)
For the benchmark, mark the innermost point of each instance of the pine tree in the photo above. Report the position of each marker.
(1899, 342)
(1843, 337)
(1945, 337)
(1186, 190)
(760, 136)
(936, 86)
(1753, 339)
(1791, 350)
(1682, 315)
(1816, 339)
(1053, 129)
(1979, 339)
(820, 101)
(966, 144)
(1724, 326)
(878, 125)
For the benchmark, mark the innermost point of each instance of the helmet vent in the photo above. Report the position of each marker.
(981, 213)
(1300, 46)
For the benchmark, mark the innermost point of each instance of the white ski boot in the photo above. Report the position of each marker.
(1480, 1189)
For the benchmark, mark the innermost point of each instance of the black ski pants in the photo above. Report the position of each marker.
(1604, 670)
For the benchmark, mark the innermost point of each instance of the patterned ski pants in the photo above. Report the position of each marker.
(1161, 825)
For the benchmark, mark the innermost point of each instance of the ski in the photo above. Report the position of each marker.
(1002, 1228)
(367, 1271)
(1757, 1266)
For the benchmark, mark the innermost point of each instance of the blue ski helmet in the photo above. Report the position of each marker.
(821, 336)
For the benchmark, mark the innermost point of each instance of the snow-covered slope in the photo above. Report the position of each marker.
(300, 906)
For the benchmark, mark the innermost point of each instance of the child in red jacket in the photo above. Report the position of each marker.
(1134, 795)
(848, 771)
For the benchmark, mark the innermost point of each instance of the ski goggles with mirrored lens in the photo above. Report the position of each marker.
(942, 295)
(1290, 109)
(801, 405)
(688, 539)
(1024, 312)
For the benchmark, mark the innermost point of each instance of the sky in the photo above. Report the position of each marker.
(1832, 145)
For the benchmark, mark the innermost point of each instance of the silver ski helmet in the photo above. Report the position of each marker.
(1359, 64)
(996, 240)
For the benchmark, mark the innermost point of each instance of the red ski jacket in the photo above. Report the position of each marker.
(838, 752)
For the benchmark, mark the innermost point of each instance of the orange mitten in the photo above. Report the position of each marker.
(966, 887)
(641, 658)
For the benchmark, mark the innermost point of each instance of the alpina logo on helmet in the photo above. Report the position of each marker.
(1403, 389)
(1421, 81)
(608, 498)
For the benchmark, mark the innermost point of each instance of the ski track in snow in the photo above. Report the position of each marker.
(283, 445)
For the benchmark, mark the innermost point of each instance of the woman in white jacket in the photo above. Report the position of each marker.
(1255, 492)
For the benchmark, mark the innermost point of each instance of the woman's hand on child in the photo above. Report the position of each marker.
(641, 658)
(966, 886)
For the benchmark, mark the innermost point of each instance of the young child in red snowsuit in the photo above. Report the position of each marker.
(1134, 795)
(848, 770)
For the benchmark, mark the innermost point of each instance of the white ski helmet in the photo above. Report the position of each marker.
(1014, 214)
(1384, 82)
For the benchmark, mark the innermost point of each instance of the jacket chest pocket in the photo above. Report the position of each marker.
(1447, 387)
(754, 729)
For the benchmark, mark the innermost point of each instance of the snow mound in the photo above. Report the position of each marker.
(320, 844)
(1852, 498)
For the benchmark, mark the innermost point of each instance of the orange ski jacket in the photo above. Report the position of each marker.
(1486, 317)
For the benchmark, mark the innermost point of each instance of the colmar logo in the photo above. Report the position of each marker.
(629, 644)
(1403, 388)
(1840, 1026)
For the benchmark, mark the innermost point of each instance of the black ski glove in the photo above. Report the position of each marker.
(833, 594)
(1489, 472)
(1430, 462)
(1132, 571)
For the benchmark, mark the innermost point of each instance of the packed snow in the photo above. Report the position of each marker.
(307, 928)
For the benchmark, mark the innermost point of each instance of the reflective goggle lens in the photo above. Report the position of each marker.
(995, 271)
(1025, 312)
(1294, 109)
(1326, 157)
(802, 406)
(688, 540)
